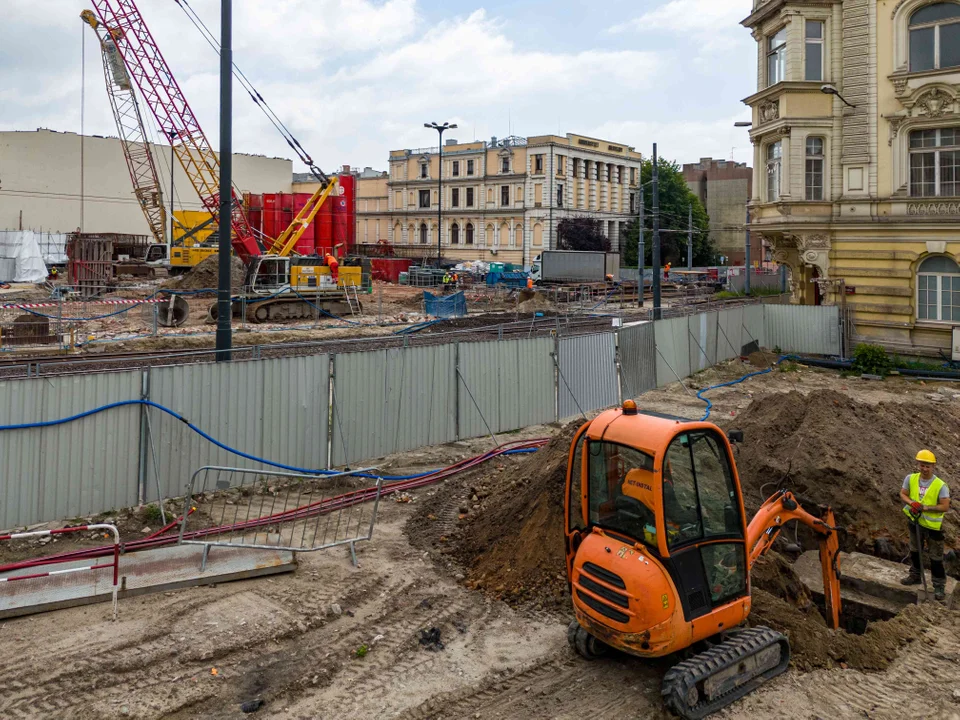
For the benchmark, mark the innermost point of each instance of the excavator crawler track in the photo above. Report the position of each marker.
(725, 673)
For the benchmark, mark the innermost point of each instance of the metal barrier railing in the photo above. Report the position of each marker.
(41, 562)
(276, 510)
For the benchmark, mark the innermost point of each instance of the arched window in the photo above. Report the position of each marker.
(935, 37)
(469, 234)
(454, 234)
(938, 290)
(423, 233)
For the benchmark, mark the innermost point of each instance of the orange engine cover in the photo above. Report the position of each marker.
(625, 597)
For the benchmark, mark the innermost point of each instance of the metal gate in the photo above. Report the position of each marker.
(279, 510)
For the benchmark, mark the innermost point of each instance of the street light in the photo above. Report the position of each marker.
(743, 123)
(440, 129)
(831, 90)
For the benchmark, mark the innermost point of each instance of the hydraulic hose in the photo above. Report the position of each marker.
(739, 380)
(213, 440)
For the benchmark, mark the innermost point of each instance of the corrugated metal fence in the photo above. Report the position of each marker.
(321, 411)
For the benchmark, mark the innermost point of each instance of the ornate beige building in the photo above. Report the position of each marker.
(502, 199)
(862, 200)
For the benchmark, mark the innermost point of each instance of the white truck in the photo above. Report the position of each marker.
(574, 266)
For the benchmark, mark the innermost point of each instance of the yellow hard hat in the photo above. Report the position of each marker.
(926, 456)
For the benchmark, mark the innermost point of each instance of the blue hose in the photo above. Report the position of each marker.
(222, 446)
(736, 382)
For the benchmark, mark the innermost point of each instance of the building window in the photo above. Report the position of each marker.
(423, 170)
(469, 233)
(813, 63)
(935, 37)
(814, 169)
(456, 168)
(938, 290)
(935, 162)
(576, 167)
(561, 165)
(469, 197)
(424, 198)
(469, 167)
(504, 194)
(777, 57)
(538, 164)
(423, 233)
(454, 234)
(774, 160)
(505, 165)
(559, 195)
(455, 197)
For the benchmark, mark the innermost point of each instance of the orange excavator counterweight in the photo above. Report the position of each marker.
(659, 551)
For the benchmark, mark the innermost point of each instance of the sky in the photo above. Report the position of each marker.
(354, 79)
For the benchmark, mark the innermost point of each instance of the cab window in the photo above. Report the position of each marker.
(620, 493)
(699, 497)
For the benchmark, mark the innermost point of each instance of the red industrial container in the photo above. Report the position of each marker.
(389, 269)
(334, 224)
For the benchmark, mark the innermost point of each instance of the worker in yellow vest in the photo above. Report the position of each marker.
(927, 498)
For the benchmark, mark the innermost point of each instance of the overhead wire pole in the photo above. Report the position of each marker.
(690, 236)
(746, 257)
(656, 238)
(440, 128)
(224, 314)
(641, 259)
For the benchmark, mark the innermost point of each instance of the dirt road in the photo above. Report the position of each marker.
(332, 641)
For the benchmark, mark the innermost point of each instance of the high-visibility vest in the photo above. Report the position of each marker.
(928, 518)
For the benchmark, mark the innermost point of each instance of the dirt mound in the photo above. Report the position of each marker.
(531, 301)
(513, 547)
(205, 275)
(830, 449)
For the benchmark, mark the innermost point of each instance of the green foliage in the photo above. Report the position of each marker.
(675, 198)
(787, 366)
(582, 233)
(152, 514)
(361, 651)
(871, 360)
(899, 362)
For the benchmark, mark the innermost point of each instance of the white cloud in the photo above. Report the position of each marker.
(684, 16)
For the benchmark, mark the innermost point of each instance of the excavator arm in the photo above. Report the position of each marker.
(766, 525)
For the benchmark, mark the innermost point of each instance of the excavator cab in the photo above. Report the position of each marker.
(658, 551)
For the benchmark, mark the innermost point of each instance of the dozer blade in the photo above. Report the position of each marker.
(725, 673)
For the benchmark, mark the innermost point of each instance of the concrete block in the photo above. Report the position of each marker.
(867, 580)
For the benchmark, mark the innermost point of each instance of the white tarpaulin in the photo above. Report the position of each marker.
(20, 257)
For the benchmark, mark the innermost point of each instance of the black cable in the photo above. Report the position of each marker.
(255, 95)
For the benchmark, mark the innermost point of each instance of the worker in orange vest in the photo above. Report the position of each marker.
(334, 268)
(529, 283)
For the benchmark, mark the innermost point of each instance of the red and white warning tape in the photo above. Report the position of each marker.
(66, 305)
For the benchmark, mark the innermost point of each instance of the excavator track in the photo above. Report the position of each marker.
(725, 673)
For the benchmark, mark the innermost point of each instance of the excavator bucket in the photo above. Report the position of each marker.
(830, 563)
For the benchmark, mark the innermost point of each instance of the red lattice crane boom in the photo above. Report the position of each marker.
(162, 94)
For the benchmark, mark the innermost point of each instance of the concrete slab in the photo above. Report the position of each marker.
(141, 572)
(868, 580)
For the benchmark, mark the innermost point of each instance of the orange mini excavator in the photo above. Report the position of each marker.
(659, 552)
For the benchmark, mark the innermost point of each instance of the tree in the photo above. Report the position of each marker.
(675, 198)
(581, 233)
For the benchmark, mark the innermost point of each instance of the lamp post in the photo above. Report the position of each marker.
(831, 90)
(224, 331)
(440, 129)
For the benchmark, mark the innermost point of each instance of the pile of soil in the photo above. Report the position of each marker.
(513, 547)
(832, 450)
(532, 301)
(205, 275)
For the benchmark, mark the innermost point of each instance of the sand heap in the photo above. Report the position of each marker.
(832, 450)
(205, 275)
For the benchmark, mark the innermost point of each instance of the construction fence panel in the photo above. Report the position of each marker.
(296, 411)
(702, 329)
(226, 400)
(752, 328)
(673, 350)
(78, 468)
(638, 359)
(386, 401)
(510, 381)
(588, 374)
(729, 330)
(803, 328)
